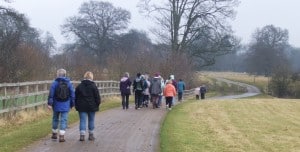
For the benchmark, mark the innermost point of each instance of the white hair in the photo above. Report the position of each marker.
(61, 73)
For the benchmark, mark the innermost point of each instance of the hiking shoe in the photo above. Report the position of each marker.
(54, 136)
(61, 138)
(91, 137)
(81, 138)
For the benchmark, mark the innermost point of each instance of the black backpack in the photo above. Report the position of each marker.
(62, 92)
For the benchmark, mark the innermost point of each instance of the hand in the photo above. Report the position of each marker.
(49, 107)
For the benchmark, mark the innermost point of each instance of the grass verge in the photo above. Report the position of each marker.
(232, 125)
(35, 125)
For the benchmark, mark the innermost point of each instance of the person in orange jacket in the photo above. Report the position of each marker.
(169, 93)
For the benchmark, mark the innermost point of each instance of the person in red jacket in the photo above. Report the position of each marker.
(169, 93)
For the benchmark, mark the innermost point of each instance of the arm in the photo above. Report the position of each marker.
(72, 95)
(51, 94)
(97, 96)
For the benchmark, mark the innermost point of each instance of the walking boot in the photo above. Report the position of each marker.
(54, 136)
(62, 138)
(91, 137)
(81, 138)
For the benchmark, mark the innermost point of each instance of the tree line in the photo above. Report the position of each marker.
(270, 54)
(191, 35)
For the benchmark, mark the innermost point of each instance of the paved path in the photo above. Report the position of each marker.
(118, 130)
(251, 90)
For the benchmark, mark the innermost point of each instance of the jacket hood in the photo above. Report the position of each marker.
(138, 79)
(156, 79)
(123, 79)
(87, 82)
(62, 78)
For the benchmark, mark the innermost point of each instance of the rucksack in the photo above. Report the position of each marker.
(139, 85)
(62, 92)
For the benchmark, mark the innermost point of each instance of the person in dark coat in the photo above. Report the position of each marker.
(87, 102)
(202, 91)
(125, 84)
(138, 88)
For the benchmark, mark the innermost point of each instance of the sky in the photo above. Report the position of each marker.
(49, 15)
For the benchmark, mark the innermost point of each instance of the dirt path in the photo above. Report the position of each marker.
(116, 130)
(119, 131)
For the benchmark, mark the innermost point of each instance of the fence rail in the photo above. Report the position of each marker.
(19, 96)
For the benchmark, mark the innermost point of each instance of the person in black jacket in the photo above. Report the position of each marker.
(87, 101)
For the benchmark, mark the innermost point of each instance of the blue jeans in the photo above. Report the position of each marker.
(91, 122)
(60, 118)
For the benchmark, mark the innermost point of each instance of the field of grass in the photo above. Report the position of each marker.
(258, 125)
(259, 81)
(28, 127)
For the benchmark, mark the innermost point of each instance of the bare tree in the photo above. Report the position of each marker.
(95, 26)
(267, 50)
(195, 27)
(12, 27)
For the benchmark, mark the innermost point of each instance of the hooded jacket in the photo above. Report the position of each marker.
(125, 84)
(155, 86)
(59, 106)
(169, 90)
(87, 97)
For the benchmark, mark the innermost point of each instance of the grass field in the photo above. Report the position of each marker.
(259, 81)
(250, 125)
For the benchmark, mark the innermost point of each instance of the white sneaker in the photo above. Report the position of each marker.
(170, 108)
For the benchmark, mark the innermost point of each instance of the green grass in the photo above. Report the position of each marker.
(17, 136)
(233, 125)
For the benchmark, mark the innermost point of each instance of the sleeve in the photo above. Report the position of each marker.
(174, 91)
(51, 94)
(72, 95)
(76, 97)
(97, 96)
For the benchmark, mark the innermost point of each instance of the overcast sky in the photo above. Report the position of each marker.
(49, 15)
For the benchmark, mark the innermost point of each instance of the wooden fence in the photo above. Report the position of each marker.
(19, 96)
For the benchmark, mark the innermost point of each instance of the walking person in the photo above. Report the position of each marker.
(174, 82)
(87, 102)
(138, 88)
(180, 89)
(146, 92)
(169, 93)
(155, 90)
(125, 84)
(197, 92)
(202, 91)
(60, 100)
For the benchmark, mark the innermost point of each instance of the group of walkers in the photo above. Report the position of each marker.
(200, 92)
(62, 98)
(148, 89)
(86, 99)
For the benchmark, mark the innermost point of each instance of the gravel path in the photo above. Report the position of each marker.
(119, 130)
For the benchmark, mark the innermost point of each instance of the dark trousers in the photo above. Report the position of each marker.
(180, 96)
(169, 101)
(138, 98)
(197, 97)
(125, 101)
(202, 95)
(154, 100)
